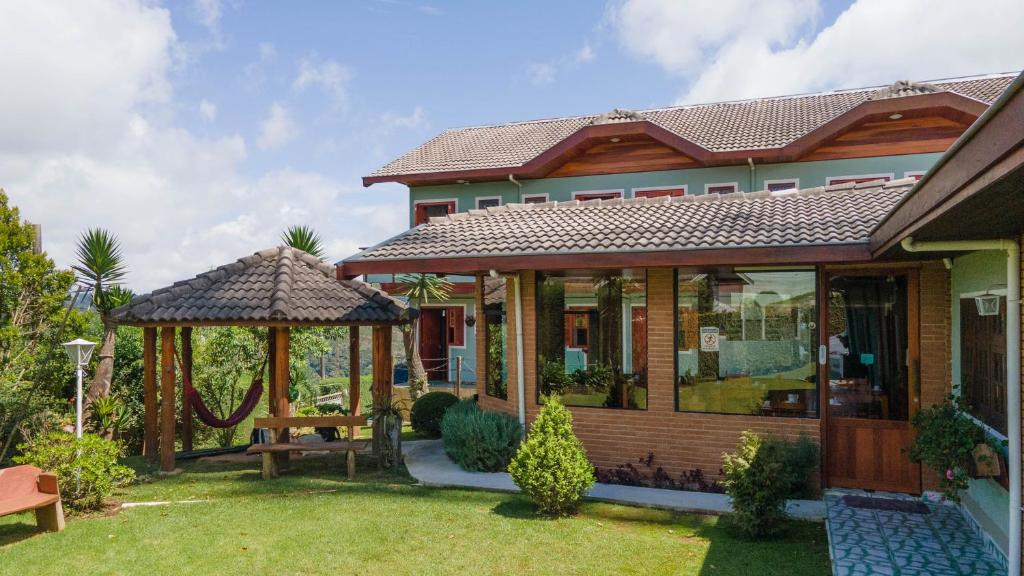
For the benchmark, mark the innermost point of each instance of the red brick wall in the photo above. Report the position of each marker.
(682, 441)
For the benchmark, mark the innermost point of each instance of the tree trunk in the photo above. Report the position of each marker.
(100, 386)
(417, 373)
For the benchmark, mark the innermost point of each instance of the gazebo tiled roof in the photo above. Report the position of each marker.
(277, 286)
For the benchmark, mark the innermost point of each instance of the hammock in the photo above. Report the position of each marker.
(206, 416)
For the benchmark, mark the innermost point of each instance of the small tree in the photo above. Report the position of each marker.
(304, 238)
(101, 268)
(420, 289)
(757, 480)
(551, 466)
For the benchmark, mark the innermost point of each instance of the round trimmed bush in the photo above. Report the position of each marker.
(428, 410)
(87, 468)
(551, 466)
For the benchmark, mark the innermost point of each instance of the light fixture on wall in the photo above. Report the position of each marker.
(470, 320)
(988, 304)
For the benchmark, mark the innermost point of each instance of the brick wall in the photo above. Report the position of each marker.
(683, 441)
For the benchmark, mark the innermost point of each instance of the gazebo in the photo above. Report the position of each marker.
(278, 288)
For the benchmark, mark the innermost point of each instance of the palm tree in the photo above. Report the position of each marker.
(304, 238)
(101, 268)
(420, 289)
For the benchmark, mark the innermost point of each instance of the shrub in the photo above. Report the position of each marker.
(480, 440)
(86, 467)
(428, 410)
(945, 437)
(332, 409)
(551, 466)
(553, 379)
(758, 483)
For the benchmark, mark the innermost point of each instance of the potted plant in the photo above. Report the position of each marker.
(947, 440)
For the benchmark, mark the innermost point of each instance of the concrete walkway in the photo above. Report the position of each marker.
(427, 463)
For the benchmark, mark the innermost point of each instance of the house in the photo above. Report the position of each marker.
(616, 260)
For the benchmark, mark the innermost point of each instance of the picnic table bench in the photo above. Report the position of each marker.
(24, 488)
(275, 425)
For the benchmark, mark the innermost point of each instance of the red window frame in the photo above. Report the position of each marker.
(581, 196)
(660, 193)
(420, 212)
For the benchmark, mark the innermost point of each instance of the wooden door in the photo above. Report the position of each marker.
(872, 379)
(434, 343)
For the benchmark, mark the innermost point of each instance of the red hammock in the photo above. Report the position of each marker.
(206, 416)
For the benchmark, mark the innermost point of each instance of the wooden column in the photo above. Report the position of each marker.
(186, 378)
(279, 380)
(354, 377)
(149, 396)
(167, 411)
(383, 374)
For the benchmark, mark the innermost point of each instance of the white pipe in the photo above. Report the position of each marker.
(520, 380)
(1013, 382)
(513, 180)
(750, 161)
(78, 403)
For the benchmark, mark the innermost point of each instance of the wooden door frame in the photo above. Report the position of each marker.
(445, 348)
(912, 273)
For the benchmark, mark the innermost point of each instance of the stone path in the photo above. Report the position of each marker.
(428, 464)
(940, 543)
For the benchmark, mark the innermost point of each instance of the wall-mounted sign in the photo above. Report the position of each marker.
(709, 338)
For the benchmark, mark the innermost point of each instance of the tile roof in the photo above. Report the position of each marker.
(757, 124)
(833, 215)
(281, 285)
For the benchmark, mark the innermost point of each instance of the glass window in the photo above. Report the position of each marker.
(535, 199)
(746, 342)
(592, 338)
(983, 363)
(496, 337)
(725, 188)
(484, 203)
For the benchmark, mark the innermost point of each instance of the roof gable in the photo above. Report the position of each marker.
(766, 129)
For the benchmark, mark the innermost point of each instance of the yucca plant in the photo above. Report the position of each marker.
(304, 238)
(101, 268)
(420, 289)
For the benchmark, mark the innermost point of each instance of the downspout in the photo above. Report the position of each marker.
(750, 161)
(1013, 386)
(513, 180)
(520, 380)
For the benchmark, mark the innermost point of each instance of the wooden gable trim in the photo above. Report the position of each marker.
(720, 256)
(945, 104)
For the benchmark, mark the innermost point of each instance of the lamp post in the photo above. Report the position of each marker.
(79, 351)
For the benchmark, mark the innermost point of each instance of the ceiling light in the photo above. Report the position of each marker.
(462, 181)
(616, 139)
(895, 116)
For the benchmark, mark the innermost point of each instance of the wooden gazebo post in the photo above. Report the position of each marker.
(167, 412)
(151, 434)
(186, 379)
(382, 380)
(354, 377)
(279, 380)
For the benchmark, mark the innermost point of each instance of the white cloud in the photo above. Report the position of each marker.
(90, 139)
(749, 48)
(417, 119)
(208, 13)
(277, 129)
(585, 53)
(329, 76)
(541, 73)
(208, 110)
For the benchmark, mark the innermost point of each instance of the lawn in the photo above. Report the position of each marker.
(313, 521)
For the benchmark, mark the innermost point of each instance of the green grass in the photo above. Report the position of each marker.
(313, 521)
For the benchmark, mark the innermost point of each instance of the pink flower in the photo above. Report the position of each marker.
(949, 474)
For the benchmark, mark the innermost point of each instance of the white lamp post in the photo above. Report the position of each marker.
(79, 351)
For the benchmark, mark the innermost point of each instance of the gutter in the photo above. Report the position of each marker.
(513, 180)
(1013, 387)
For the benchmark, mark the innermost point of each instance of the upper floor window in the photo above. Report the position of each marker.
(430, 209)
(592, 338)
(857, 179)
(659, 192)
(915, 174)
(535, 199)
(485, 202)
(779, 185)
(597, 195)
(721, 188)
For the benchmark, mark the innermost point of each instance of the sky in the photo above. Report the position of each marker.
(198, 130)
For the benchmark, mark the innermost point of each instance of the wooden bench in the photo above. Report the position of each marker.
(24, 488)
(274, 425)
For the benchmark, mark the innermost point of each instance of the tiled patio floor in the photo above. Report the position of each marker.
(941, 543)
